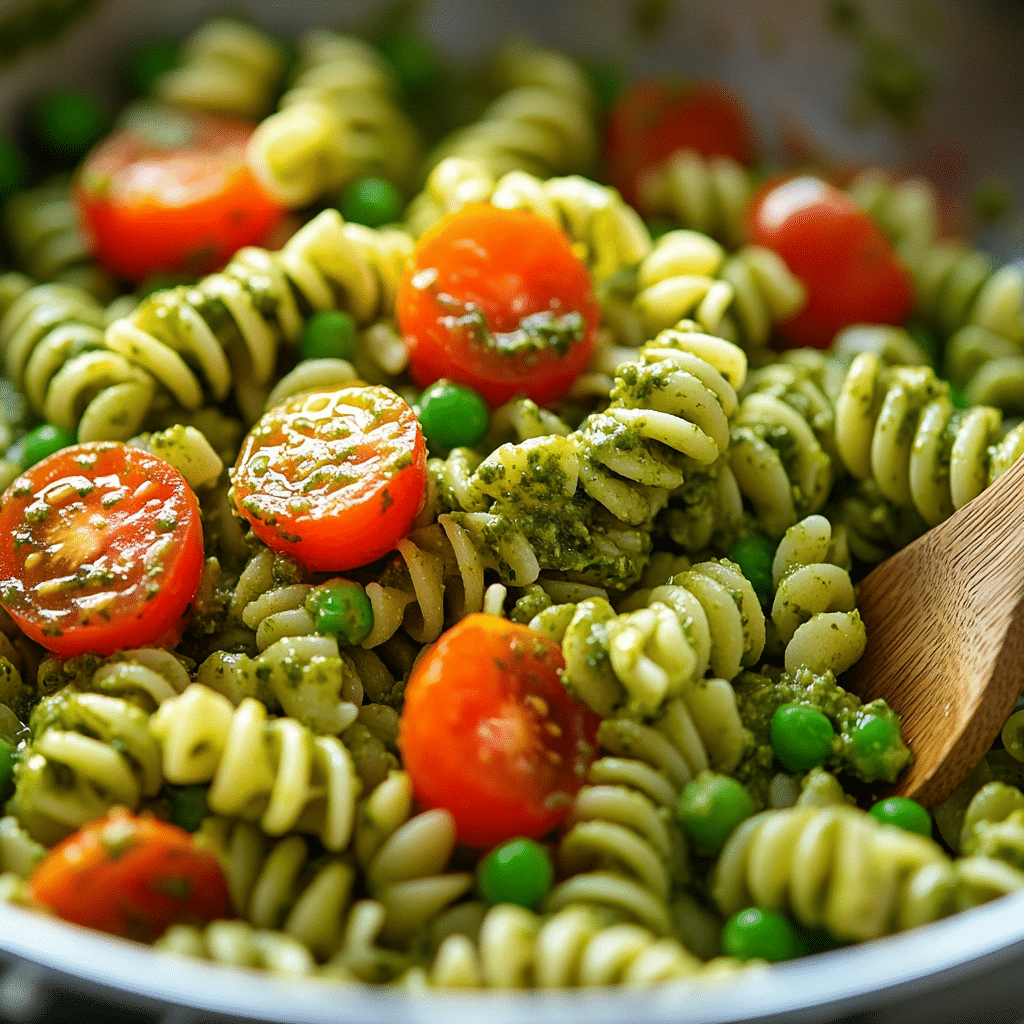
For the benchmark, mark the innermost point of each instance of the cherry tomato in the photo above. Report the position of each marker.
(497, 300)
(653, 118)
(101, 547)
(335, 478)
(851, 271)
(489, 732)
(131, 876)
(173, 196)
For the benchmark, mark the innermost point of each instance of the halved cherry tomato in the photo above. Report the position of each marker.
(335, 478)
(653, 118)
(850, 268)
(497, 299)
(489, 732)
(174, 195)
(101, 547)
(131, 876)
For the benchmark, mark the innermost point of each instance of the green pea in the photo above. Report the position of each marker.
(329, 335)
(608, 79)
(188, 806)
(45, 441)
(710, 807)
(12, 169)
(756, 934)
(903, 812)
(801, 737)
(69, 123)
(452, 415)
(8, 758)
(659, 227)
(875, 748)
(341, 608)
(146, 63)
(414, 60)
(754, 554)
(518, 871)
(958, 396)
(371, 201)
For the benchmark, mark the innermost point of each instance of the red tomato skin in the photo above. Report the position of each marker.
(156, 604)
(131, 876)
(654, 118)
(850, 269)
(508, 265)
(334, 534)
(489, 733)
(148, 209)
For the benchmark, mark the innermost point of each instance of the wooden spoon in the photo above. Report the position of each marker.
(945, 625)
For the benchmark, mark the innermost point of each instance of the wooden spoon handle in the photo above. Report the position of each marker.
(960, 589)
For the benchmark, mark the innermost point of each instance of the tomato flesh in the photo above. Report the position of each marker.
(849, 267)
(131, 876)
(334, 478)
(489, 732)
(101, 547)
(653, 118)
(497, 300)
(181, 201)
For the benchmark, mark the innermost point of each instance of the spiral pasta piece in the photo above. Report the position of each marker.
(195, 344)
(608, 234)
(47, 241)
(543, 121)
(621, 849)
(669, 410)
(339, 121)
(897, 426)
(739, 296)
(705, 194)
(517, 948)
(584, 503)
(226, 66)
(836, 867)
(404, 857)
(705, 618)
(814, 608)
(282, 886)
(55, 353)
(273, 771)
(88, 752)
(778, 461)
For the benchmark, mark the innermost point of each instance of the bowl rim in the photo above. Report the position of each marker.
(909, 964)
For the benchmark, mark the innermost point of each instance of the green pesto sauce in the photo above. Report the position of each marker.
(759, 696)
(537, 334)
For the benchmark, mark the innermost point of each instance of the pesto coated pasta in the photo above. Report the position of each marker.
(676, 539)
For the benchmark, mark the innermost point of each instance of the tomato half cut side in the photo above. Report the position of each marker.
(173, 196)
(497, 300)
(655, 117)
(101, 547)
(132, 876)
(334, 478)
(489, 732)
(850, 269)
